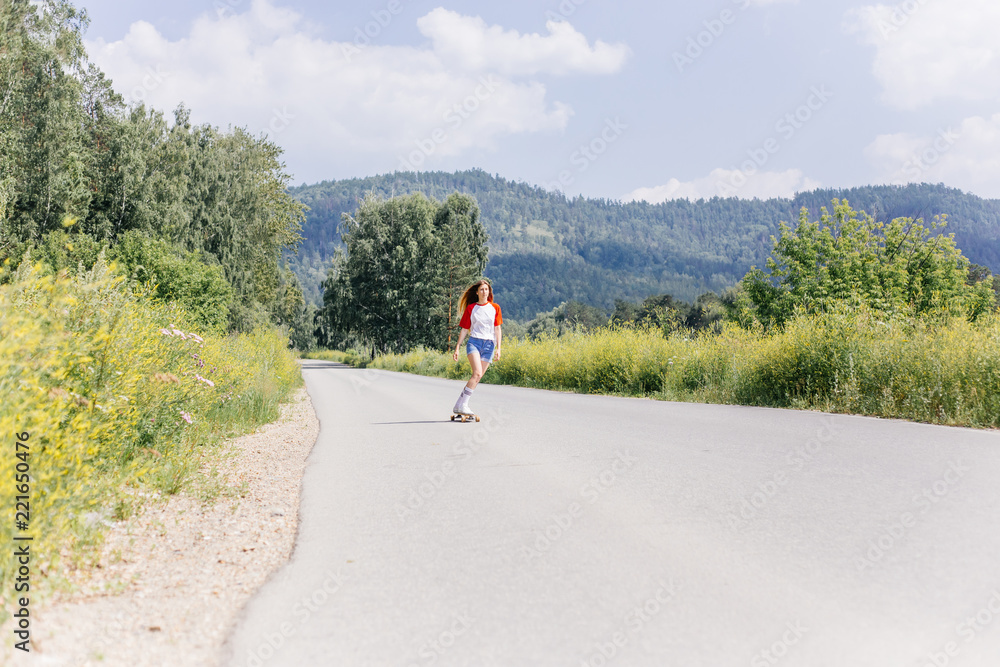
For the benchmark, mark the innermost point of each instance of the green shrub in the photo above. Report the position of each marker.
(181, 276)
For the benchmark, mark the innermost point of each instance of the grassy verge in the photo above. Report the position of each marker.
(352, 357)
(326, 355)
(945, 371)
(116, 397)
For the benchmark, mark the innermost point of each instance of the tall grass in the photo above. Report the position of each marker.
(944, 370)
(118, 395)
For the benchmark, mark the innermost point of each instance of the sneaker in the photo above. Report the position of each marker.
(463, 408)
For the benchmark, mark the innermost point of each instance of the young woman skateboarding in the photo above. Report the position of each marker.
(481, 320)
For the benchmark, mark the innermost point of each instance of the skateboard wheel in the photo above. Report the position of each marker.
(477, 417)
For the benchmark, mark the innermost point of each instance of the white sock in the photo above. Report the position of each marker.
(463, 399)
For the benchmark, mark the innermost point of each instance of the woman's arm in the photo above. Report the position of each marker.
(458, 345)
(496, 340)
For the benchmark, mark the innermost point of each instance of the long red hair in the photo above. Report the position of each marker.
(471, 295)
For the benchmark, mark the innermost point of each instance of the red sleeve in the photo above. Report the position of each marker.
(466, 321)
(498, 320)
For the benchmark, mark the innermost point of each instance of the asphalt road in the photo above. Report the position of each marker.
(585, 530)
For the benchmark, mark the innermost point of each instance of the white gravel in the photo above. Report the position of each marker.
(172, 579)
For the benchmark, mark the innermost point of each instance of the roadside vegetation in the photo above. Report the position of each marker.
(850, 315)
(945, 372)
(122, 398)
(145, 311)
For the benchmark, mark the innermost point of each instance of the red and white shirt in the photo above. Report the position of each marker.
(480, 320)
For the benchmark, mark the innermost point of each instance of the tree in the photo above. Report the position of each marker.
(405, 262)
(47, 159)
(900, 266)
(463, 253)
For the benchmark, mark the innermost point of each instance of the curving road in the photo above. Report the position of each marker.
(586, 530)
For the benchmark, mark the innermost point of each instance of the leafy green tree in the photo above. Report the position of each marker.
(463, 254)
(900, 266)
(44, 127)
(707, 312)
(291, 311)
(625, 312)
(396, 283)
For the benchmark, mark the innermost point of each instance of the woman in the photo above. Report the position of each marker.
(481, 320)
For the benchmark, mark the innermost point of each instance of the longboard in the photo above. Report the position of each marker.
(464, 418)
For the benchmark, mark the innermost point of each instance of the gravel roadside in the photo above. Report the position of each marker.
(172, 579)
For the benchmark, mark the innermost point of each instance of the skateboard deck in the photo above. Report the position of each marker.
(464, 418)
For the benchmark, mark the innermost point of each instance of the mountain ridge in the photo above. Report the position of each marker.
(546, 248)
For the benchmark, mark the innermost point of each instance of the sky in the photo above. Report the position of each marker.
(625, 100)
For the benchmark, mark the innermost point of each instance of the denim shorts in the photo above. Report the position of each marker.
(481, 345)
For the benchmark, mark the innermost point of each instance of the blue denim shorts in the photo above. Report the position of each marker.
(481, 345)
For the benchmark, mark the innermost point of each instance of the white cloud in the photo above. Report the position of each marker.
(927, 50)
(728, 183)
(966, 157)
(467, 42)
(359, 102)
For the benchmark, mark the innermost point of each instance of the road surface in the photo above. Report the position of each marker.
(586, 530)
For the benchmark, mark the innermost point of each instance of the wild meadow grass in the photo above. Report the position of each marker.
(944, 370)
(121, 399)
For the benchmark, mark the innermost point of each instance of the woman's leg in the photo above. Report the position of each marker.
(477, 369)
(462, 406)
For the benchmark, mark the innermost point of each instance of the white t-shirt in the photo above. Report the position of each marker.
(480, 320)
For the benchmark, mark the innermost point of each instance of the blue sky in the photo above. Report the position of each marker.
(624, 100)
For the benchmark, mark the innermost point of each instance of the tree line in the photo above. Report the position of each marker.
(176, 203)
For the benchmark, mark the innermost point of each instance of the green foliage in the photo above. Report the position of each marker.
(420, 361)
(45, 130)
(120, 394)
(177, 275)
(70, 148)
(462, 255)
(896, 267)
(571, 316)
(291, 311)
(397, 286)
(662, 311)
(61, 251)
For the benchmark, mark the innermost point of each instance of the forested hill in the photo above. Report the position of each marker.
(546, 248)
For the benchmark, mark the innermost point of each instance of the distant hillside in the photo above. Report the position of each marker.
(546, 249)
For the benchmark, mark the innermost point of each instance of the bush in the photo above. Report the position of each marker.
(179, 275)
(846, 257)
